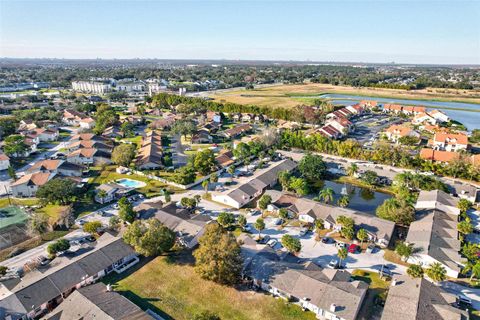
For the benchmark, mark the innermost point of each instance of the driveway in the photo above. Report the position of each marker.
(472, 294)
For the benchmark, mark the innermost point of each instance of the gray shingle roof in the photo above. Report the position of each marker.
(418, 299)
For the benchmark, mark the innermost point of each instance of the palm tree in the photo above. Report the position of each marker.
(343, 201)
(473, 268)
(231, 172)
(352, 170)
(342, 255)
(205, 184)
(362, 235)
(436, 272)
(102, 194)
(326, 194)
(259, 225)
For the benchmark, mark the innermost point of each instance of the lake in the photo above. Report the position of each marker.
(470, 119)
(361, 199)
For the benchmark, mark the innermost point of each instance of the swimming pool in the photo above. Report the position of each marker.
(129, 183)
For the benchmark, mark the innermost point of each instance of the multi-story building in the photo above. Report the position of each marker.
(98, 87)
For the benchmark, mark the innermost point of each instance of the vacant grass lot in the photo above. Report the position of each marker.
(293, 95)
(175, 291)
(4, 202)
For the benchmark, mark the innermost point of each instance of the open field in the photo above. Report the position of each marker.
(175, 291)
(293, 95)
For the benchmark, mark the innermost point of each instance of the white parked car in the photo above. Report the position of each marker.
(272, 242)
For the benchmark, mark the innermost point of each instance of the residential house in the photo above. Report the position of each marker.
(113, 132)
(244, 193)
(97, 301)
(27, 185)
(4, 161)
(464, 191)
(438, 200)
(423, 118)
(41, 290)
(260, 118)
(356, 109)
(27, 125)
(329, 293)
(202, 136)
(189, 227)
(439, 116)
(449, 141)
(368, 104)
(395, 132)
(225, 158)
(88, 144)
(107, 192)
(150, 154)
(438, 155)
(59, 167)
(392, 108)
(89, 156)
(379, 230)
(213, 116)
(90, 137)
(434, 233)
(330, 131)
(247, 117)
(341, 124)
(236, 131)
(163, 124)
(75, 118)
(418, 299)
(413, 110)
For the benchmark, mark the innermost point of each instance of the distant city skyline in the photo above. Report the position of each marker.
(417, 32)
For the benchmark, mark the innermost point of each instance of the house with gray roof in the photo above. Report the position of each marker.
(434, 233)
(42, 289)
(97, 301)
(188, 227)
(439, 200)
(418, 299)
(379, 230)
(434, 236)
(244, 193)
(329, 293)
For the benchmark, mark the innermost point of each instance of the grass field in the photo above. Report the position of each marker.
(293, 95)
(4, 202)
(175, 291)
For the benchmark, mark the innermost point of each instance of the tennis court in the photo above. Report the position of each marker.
(12, 215)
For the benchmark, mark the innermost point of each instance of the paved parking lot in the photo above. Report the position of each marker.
(321, 253)
(368, 126)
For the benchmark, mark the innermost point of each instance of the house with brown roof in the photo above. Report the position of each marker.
(423, 118)
(59, 167)
(413, 110)
(368, 104)
(237, 131)
(330, 131)
(87, 144)
(392, 108)
(225, 158)
(27, 185)
(450, 141)
(89, 156)
(395, 132)
(75, 118)
(419, 299)
(438, 155)
(150, 154)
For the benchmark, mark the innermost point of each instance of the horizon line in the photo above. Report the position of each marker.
(391, 63)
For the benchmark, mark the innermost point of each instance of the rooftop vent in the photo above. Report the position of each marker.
(333, 307)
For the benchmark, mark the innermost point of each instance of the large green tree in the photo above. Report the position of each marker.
(126, 212)
(291, 244)
(104, 118)
(57, 191)
(312, 167)
(15, 145)
(436, 272)
(204, 161)
(123, 154)
(218, 257)
(397, 211)
(149, 237)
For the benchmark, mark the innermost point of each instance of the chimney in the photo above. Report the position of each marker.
(394, 282)
(333, 307)
(109, 287)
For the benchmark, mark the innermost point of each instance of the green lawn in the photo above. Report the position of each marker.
(377, 288)
(53, 211)
(4, 202)
(175, 291)
(136, 140)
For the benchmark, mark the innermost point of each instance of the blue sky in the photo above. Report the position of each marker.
(362, 31)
